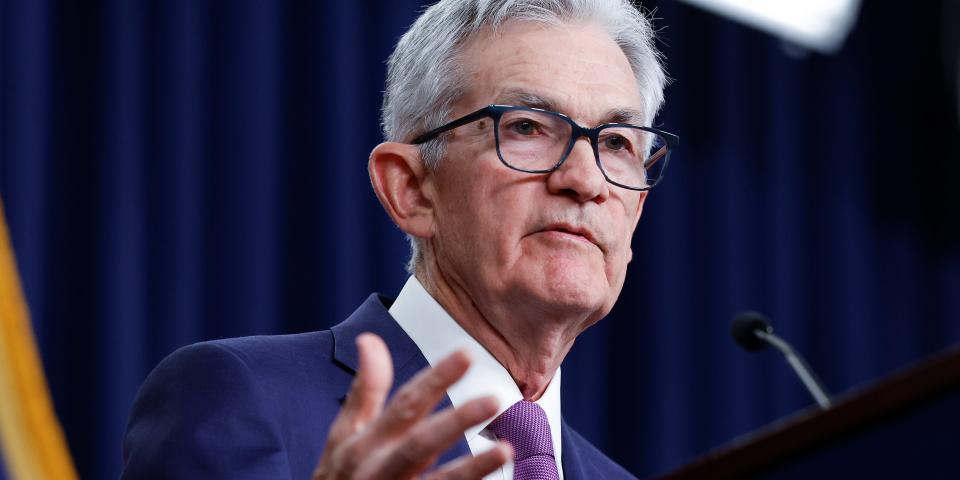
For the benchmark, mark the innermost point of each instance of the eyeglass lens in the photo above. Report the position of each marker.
(531, 140)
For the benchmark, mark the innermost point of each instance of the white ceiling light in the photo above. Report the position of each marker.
(820, 25)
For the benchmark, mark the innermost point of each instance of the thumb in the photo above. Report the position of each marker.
(372, 383)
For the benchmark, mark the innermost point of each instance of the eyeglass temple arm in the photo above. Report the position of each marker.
(426, 137)
(656, 157)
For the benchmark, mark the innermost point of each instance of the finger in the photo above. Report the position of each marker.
(421, 446)
(374, 377)
(369, 390)
(419, 396)
(470, 467)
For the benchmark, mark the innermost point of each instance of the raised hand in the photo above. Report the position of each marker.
(402, 439)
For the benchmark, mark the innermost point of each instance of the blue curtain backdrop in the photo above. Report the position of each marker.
(175, 171)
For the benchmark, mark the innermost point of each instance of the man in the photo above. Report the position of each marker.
(520, 221)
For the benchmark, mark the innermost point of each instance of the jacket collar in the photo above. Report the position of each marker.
(373, 317)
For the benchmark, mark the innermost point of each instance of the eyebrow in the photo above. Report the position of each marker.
(523, 98)
(624, 115)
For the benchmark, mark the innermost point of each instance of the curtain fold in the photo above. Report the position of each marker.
(176, 171)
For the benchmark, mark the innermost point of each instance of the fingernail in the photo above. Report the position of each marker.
(367, 338)
(506, 450)
(462, 355)
(490, 404)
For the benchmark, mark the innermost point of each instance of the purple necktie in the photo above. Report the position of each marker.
(525, 426)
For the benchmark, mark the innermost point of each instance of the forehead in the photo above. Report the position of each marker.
(576, 69)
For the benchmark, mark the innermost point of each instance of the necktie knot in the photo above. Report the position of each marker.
(525, 426)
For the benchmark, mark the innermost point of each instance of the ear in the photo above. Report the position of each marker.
(400, 181)
(636, 220)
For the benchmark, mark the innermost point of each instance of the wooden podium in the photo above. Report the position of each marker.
(906, 426)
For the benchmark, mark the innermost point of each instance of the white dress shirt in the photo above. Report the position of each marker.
(437, 335)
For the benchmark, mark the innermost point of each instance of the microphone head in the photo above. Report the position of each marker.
(743, 326)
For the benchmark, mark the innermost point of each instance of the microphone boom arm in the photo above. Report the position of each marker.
(799, 366)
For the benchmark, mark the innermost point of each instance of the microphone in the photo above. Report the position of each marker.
(752, 331)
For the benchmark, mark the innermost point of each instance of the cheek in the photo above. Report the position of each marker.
(616, 272)
(495, 208)
(617, 265)
(475, 226)
(619, 256)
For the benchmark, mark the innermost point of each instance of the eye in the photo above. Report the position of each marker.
(616, 142)
(524, 126)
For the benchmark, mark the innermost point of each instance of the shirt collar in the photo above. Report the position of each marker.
(437, 335)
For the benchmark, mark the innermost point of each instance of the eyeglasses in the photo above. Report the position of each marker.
(533, 140)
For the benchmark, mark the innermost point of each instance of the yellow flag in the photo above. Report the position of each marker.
(32, 445)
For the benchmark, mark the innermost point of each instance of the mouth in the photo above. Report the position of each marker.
(574, 233)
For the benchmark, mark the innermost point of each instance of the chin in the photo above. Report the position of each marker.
(570, 293)
(560, 283)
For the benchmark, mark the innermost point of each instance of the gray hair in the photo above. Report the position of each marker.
(424, 81)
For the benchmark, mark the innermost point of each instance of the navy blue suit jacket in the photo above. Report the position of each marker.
(260, 407)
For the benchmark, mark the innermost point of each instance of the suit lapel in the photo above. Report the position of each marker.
(373, 317)
(575, 467)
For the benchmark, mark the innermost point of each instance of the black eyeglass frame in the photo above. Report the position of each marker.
(577, 131)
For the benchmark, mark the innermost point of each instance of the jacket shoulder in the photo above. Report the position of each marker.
(249, 407)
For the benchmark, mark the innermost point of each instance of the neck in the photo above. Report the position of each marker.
(530, 342)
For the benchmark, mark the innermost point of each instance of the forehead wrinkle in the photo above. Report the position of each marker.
(523, 98)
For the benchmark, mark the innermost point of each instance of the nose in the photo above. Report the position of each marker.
(580, 177)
